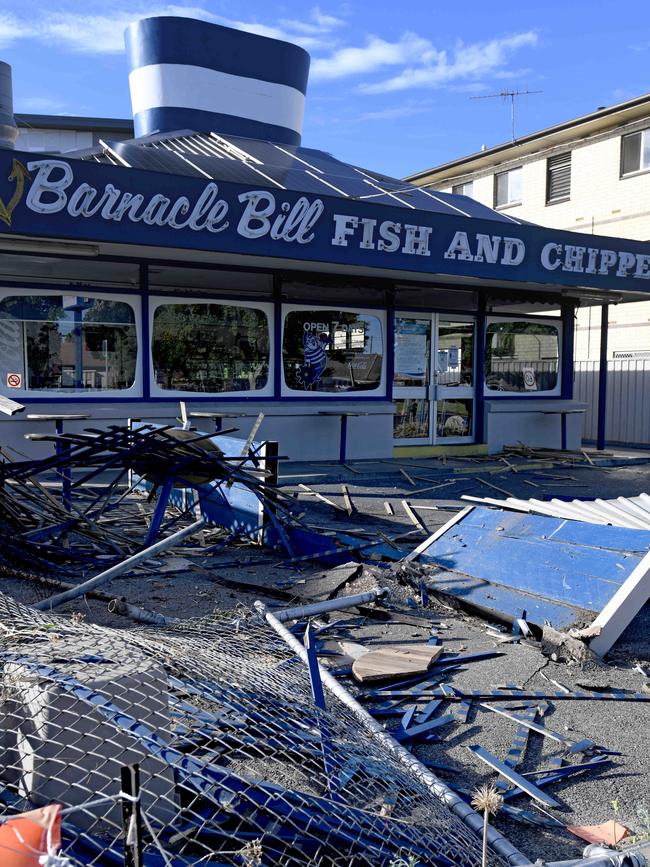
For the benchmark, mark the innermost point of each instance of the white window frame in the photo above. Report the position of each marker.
(645, 134)
(495, 392)
(510, 201)
(456, 192)
(380, 391)
(266, 307)
(136, 390)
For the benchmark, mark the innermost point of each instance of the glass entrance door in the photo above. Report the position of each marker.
(434, 382)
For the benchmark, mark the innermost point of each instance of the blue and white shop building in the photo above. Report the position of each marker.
(213, 259)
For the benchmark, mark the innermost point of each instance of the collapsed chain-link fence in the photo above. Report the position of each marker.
(237, 765)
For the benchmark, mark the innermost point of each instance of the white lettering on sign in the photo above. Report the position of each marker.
(48, 195)
(410, 239)
(486, 248)
(263, 214)
(592, 260)
(293, 223)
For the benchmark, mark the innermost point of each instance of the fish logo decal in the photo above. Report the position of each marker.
(18, 174)
(315, 358)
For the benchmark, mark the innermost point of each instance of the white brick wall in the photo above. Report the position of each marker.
(53, 140)
(601, 203)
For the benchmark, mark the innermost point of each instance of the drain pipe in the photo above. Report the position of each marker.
(500, 845)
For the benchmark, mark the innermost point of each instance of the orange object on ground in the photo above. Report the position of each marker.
(24, 838)
(610, 832)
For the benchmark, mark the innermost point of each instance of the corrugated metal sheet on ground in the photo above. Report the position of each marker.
(632, 512)
(555, 570)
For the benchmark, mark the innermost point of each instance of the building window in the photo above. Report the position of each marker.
(635, 152)
(67, 344)
(507, 188)
(558, 178)
(466, 189)
(521, 356)
(332, 351)
(210, 348)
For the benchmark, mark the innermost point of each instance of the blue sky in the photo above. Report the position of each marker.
(391, 83)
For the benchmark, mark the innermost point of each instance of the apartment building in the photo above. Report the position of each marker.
(591, 175)
(57, 134)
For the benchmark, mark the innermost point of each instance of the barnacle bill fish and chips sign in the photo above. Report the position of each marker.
(58, 198)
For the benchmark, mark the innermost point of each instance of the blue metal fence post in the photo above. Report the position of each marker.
(602, 378)
(568, 335)
(144, 322)
(479, 401)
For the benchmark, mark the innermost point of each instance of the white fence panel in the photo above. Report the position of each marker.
(628, 400)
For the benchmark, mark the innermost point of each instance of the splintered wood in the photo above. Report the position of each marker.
(414, 518)
(395, 661)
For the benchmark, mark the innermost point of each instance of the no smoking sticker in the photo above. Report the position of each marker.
(14, 380)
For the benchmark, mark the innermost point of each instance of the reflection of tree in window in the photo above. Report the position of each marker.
(74, 343)
(210, 347)
(521, 356)
(346, 349)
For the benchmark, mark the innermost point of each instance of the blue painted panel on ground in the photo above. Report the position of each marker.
(239, 509)
(557, 565)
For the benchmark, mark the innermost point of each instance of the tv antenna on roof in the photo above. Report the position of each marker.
(512, 94)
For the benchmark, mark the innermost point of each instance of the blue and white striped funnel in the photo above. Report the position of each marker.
(189, 74)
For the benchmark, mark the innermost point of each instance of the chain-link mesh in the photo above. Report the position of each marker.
(219, 715)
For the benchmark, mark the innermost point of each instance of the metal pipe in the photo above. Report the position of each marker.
(8, 128)
(454, 802)
(120, 568)
(301, 611)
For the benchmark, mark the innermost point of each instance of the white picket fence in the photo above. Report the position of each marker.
(628, 400)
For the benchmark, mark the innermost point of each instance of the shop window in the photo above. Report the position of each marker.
(521, 356)
(210, 348)
(507, 188)
(558, 178)
(466, 189)
(332, 351)
(67, 343)
(635, 152)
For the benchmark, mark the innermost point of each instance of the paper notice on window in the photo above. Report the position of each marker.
(411, 355)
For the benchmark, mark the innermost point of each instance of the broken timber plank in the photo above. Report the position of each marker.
(408, 478)
(395, 661)
(349, 507)
(320, 497)
(415, 553)
(414, 518)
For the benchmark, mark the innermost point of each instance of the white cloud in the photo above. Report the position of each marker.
(468, 61)
(11, 29)
(395, 112)
(318, 24)
(39, 104)
(104, 34)
(374, 55)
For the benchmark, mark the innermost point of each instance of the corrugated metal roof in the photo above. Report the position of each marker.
(287, 167)
(632, 512)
